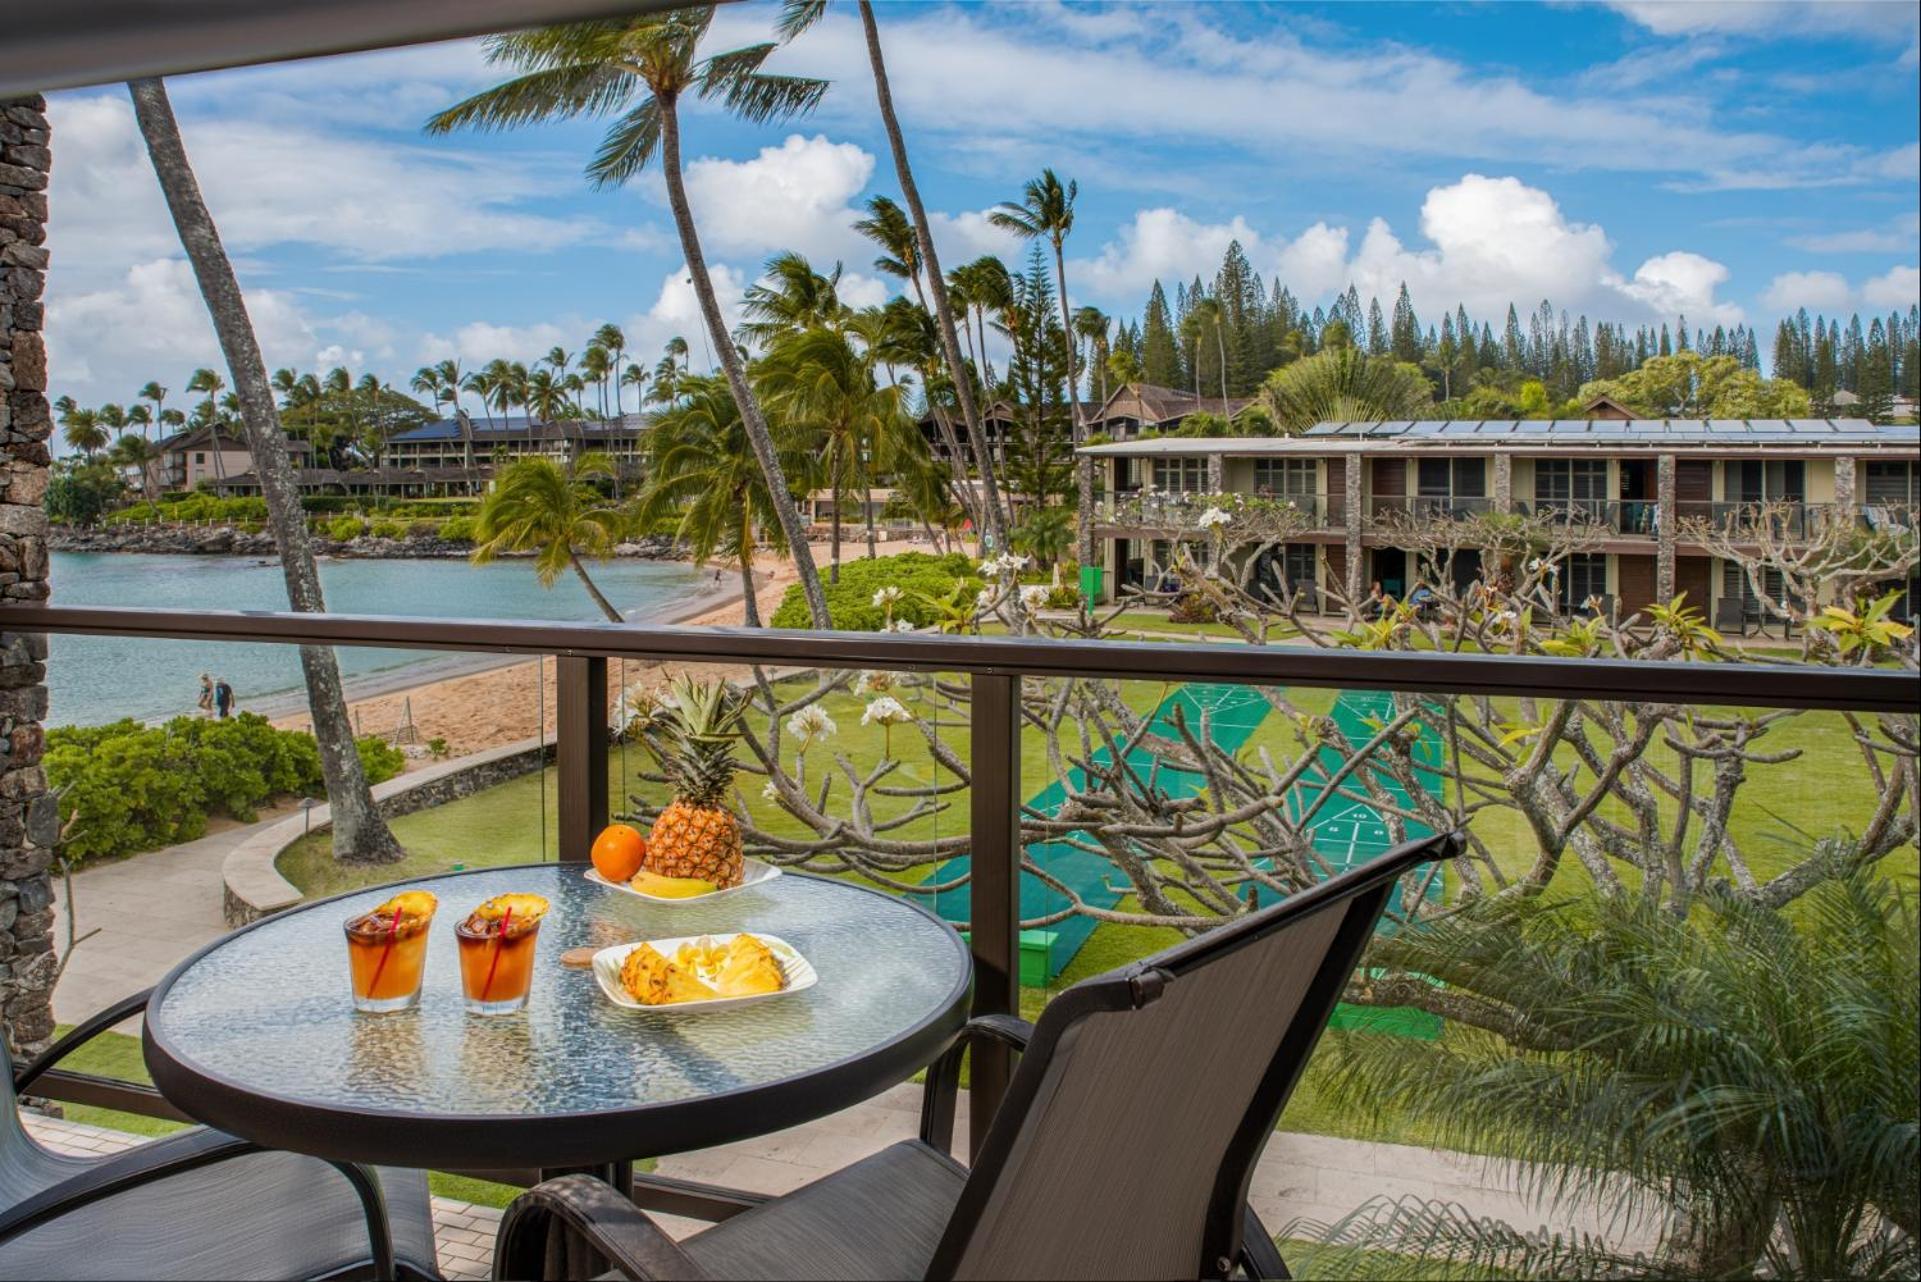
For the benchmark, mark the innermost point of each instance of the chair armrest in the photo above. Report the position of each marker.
(180, 1154)
(943, 1076)
(543, 1232)
(78, 1036)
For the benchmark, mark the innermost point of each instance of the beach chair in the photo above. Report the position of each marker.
(196, 1204)
(1124, 1148)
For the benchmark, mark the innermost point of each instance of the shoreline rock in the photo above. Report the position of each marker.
(231, 541)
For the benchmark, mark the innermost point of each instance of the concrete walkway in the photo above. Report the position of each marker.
(151, 910)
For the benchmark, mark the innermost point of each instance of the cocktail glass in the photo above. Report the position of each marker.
(387, 952)
(497, 953)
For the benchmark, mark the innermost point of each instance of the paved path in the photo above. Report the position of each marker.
(151, 910)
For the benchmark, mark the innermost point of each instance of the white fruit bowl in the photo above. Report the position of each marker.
(754, 873)
(798, 974)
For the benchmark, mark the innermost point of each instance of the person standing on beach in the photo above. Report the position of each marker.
(205, 702)
(222, 699)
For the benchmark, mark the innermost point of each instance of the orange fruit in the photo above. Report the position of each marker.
(618, 851)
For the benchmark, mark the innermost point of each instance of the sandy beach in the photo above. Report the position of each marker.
(508, 702)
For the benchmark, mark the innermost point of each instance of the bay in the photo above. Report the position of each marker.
(97, 679)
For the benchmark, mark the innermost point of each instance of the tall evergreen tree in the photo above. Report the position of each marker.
(1405, 336)
(1378, 342)
(1160, 351)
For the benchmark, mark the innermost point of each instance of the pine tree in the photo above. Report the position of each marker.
(1785, 361)
(1160, 351)
(1876, 388)
(1377, 339)
(1406, 333)
(1513, 354)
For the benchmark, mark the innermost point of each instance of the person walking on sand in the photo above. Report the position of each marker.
(222, 699)
(205, 702)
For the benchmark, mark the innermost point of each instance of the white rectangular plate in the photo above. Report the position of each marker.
(753, 873)
(798, 972)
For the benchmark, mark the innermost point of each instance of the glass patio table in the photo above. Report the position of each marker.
(256, 1034)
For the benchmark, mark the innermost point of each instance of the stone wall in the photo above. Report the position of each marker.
(29, 819)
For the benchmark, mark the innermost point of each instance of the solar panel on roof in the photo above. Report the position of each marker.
(1534, 426)
(1569, 426)
(1495, 427)
(1728, 424)
(1769, 426)
(1687, 426)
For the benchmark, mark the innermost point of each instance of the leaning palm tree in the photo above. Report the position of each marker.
(209, 383)
(797, 16)
(135, 455)
(359, 832)
(1091, 325)
(83, 431)
(791, 296)
(642, 65)
(702, 469)
(1206, 317)
(157, 395)
(538, 506)
(611, 340)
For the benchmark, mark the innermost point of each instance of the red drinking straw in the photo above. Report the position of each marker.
(393, 930)
(500, 941)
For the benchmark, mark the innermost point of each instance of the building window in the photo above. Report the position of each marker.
(1583, 575)
(199, 457)
(1460, 478)
(1290, 478)
(1299, 563)
(1768, 481)
(1180, 475)
(1892, 483)
(1571, 487)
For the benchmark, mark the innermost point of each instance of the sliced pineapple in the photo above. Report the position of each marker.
(409, 903)
(652, 980)
(525, 907)
(748, 968)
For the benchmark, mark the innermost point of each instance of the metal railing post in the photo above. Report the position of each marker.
(580, 753)
(994, 737)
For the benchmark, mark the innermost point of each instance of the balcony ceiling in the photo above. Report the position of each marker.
(58, 44)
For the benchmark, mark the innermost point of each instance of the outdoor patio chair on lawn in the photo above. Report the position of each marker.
(197, 1204)
(1124, 1148)
(1730, 617)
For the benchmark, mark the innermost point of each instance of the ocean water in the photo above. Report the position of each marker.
(96, 679)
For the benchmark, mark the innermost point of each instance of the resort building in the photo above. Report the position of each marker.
(205, 454)
(1133, 409)
(1643, 490)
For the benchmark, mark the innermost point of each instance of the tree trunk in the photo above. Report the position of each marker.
(359, 833)
(1220, 341)
(1083, 464)
(606, 606)
(750, 415)
(936, 284)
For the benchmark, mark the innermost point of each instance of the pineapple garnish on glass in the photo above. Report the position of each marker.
(695, 847)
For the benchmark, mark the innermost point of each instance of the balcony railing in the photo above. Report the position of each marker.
(990, 698)
(1426, 507)
(1182, 512)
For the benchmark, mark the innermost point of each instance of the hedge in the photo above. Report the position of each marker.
(127, 787)
(850, 603)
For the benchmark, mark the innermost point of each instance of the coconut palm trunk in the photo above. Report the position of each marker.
(995, 522)
(749, 599)
(1083, 463)
(606, 606)
(359, 832)
(730, 363)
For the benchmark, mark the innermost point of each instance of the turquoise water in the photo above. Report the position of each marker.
(96, 679)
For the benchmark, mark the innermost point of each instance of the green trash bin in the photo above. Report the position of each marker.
(1092, 577)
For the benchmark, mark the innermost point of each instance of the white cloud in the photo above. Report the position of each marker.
(1898, 287)
(1682, 283)
(1160, 244)
(1314, 263)
(1812, 290)
(1899, 234)
(797, 195)
(1876, 19)
(153, 320)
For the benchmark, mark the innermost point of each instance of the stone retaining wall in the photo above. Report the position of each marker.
(29, 816)
(252, 886)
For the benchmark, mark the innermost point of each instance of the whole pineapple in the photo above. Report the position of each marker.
(696, 835)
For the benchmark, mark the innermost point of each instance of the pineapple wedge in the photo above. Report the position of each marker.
(652, 980)
(748, 968)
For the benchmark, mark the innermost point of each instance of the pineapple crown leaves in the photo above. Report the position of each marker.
(694, 738)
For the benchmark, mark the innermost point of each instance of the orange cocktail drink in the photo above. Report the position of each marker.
(497, 952)
(387, 951)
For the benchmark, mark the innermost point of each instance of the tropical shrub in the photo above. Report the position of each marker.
(457, 529)
(1191, 607)
(1741, 1077)
(80, 493)
(343, 528)
(423, 529)
(920, 576)
(388, 529)
(126, 787)
(328, 504)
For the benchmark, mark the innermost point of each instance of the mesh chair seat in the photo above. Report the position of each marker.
(879, 1218)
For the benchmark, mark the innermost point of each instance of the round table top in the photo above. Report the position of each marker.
(256, 1034)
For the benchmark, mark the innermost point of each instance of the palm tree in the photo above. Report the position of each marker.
(793, 297)
(596, 365)
(209, 383)
(1740, 1078)
(157, 395)
(359, 833)
(135, 455)
(814, 379)
(701, 466)
(643, 64)
(797, 16)
(1203, 315)
(482, 383)
(1343, 383)
(83, 431)
(1092, 325)
(141, 417)
(541, 507)
(426, 381)
(1046, 209)
(610, 339)
(887, 226)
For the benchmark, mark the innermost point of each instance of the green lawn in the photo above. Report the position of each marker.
(117, 1055)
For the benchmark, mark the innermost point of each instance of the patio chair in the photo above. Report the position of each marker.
(198, 1203)
(1124, 1148)
(1730, 616)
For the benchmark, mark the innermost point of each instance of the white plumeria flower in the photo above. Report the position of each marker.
(1214, 517)
(811, 725)
(769, 791)
(886, 597)
(1034, 595)
(903, 625)
(885, 711)
(874, 682)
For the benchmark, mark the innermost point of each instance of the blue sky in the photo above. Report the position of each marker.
(1629, 161)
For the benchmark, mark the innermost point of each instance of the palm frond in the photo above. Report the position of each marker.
(628, 146)
(762, 98)
(552, 93)
(796, 16)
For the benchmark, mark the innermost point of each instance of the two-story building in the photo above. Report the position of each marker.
(1642, 489)
(186, 459)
